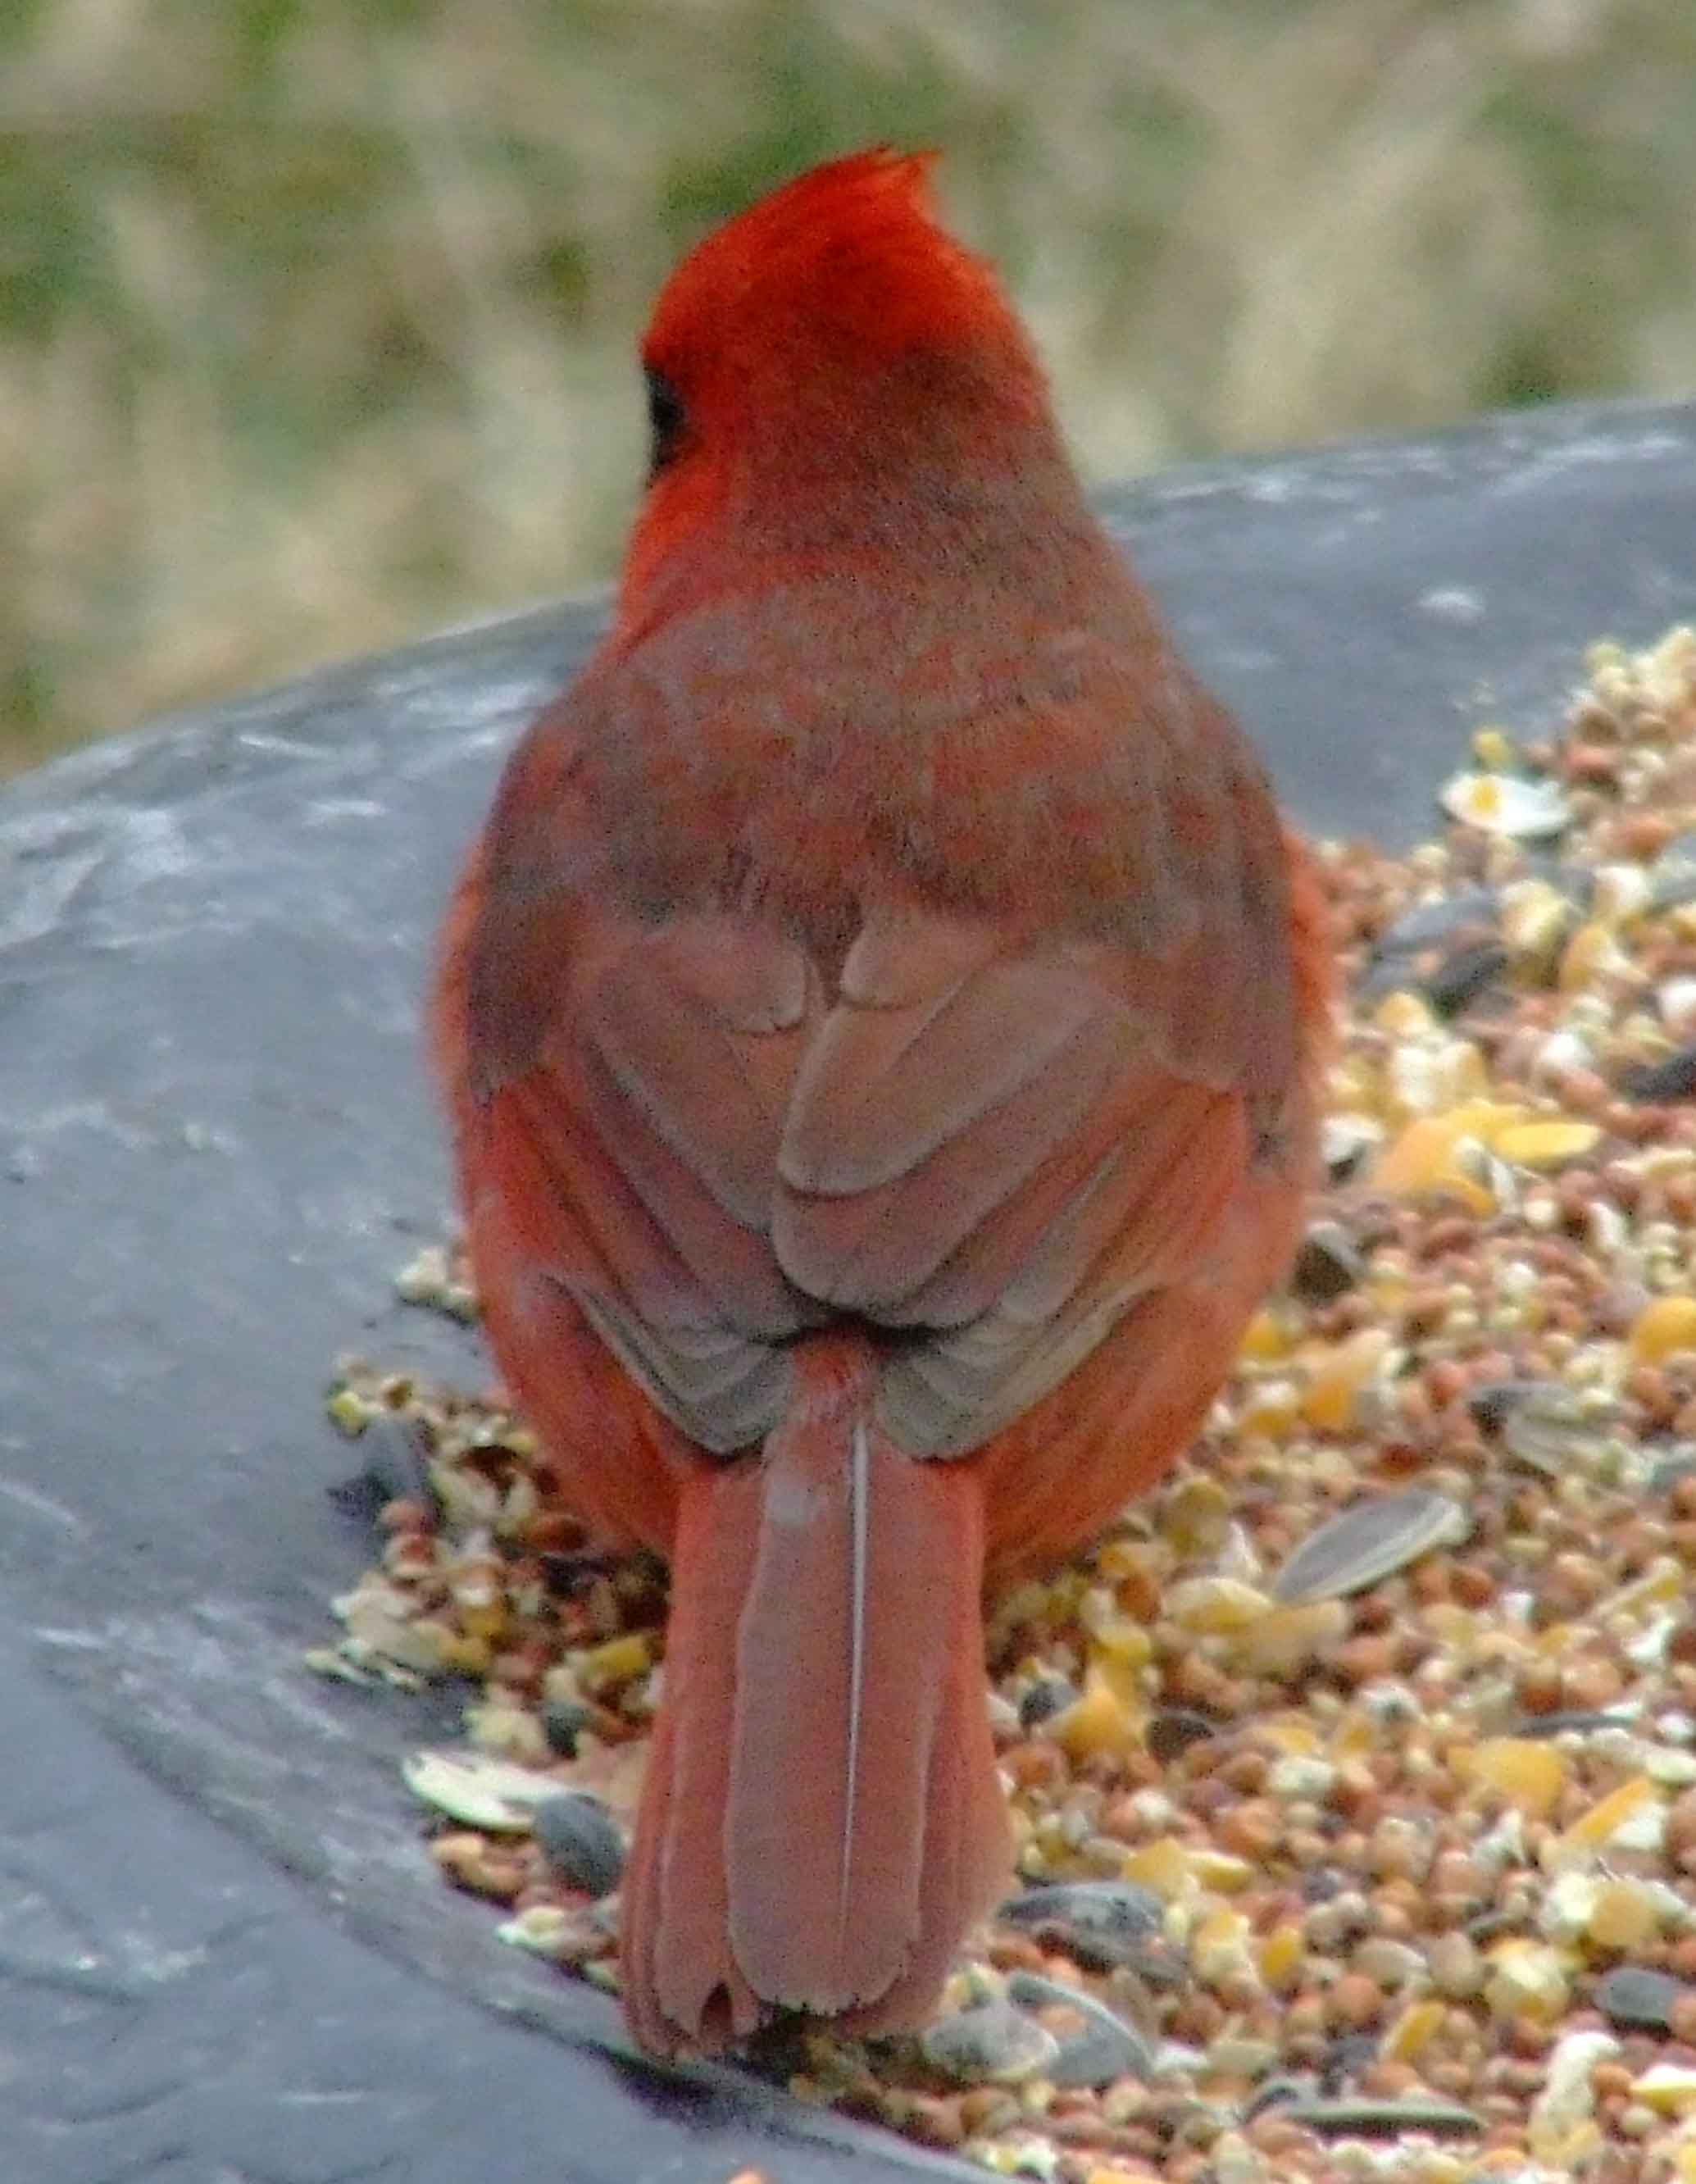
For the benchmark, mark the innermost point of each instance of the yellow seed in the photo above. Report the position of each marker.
(1563, 2150)
(1278, 1643)
(1120, 1642)
(1454, 1629)
(1332, 1398)
(486, 1620)
(1120, 1559)
(1196, 1515)
(1654, 1163)
(1534, 918)
(1123, 1656)
(619, 1661)
(508, 1732)
(1431, 1075)
(350, 1413)
(1266, 1337)
(1622, 1917)
(1270, 1408)
(1662, 1584)
(1281, 1955)
(1527, 1979)
(1218, 1869)
(1664, 1327)
(1595, 1828)
(1403, 1016)
(1546, 1144)
(468, 1860)
(1354, 1736)
(1592, 954)
(1527, 1772)
(1162, 1866)
(1425, 1160)
(1668, 2088)
(1412, 2031)
(1215, 1604)
(1494, 748)
(1220, 1947)
(1029, 1602)
(1292, 1732)
(1098, 1720)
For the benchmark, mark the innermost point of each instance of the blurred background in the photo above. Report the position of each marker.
(316, 315)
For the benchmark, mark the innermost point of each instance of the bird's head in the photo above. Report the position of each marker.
(833, 342)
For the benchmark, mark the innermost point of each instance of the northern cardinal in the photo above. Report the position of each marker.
(881, 1021)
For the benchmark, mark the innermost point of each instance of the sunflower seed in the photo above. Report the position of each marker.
(1105, 2049)
(994, 2044)
(580, 1841)
(1369, 2118)
(1521, 806)
(1173, 1730)
(1638, 2000)
(478, 1790)
(1368, 1542)
(1328, 1265)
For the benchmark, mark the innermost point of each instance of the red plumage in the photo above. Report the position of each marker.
(881, 1020)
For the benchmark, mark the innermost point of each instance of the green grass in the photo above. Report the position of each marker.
(315, 316)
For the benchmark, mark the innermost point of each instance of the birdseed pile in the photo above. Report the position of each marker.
(1353, 1775)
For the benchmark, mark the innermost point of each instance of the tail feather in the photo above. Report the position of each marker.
(821, 1819)
(679, 1983)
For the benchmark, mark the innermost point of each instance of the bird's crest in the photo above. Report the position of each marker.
(850, 251)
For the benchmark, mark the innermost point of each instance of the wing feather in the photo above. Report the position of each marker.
(990, 1140)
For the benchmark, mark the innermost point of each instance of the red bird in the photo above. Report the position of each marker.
(881, 1020)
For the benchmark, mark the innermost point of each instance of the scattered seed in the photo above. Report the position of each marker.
(478, 1790)
(1327, 1265)
(1173, 1730)
(1465, 974)
(1544, 1425)
(1106, 2048)
(994, 2044)
(1112, 1907)
(1048, 1696)
(1638, 1999)
(1673, 1077)
(396, 1468)
(580, 1841)
(1368, 1543)
(1370, 2119)
(1521, 807)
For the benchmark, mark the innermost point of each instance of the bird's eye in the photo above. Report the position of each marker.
(665, 421)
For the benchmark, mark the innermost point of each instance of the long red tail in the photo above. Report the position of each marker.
(821, 1819)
